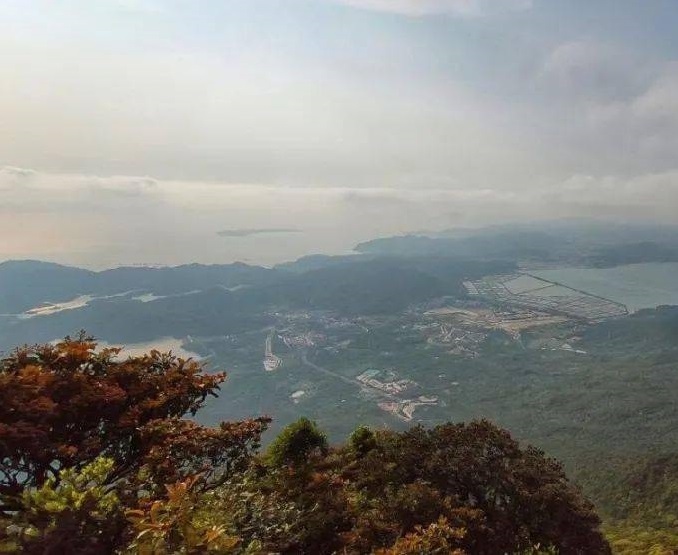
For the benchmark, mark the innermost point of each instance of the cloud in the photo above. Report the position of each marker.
(125, 186)
(17, 173)
(462, 8)
(29, 191)
(644, 128)
(376, 198)
(238, 233)
(11, 177)
(592, 70)
(654, 190)
(609, 110)
(136, 7)
(659, 103)
(646, 197)
(247, 118)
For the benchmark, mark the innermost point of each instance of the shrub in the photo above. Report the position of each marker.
(72, 513)
(296, 443)
(362, 440)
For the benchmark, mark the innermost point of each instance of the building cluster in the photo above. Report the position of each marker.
(405, 409)
(395, 387)
(302, 340)
(271, 361)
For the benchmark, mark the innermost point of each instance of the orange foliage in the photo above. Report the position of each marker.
(63, 405)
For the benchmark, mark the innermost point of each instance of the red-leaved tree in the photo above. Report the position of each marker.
(64, 405)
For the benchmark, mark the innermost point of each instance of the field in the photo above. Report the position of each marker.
(637, 286)
(529, 291)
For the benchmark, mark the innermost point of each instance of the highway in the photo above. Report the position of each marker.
(306, 362)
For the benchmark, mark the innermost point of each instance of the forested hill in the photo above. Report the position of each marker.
(104, 462)
(581, 242)
(197, 299)
(25, 284)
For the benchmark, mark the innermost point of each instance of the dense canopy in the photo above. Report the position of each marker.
(97, 458)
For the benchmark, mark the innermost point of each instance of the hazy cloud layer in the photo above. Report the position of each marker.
(258, 231)
(469, 8)
(108, 221)
(348, 119)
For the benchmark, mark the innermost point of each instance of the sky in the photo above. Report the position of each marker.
(134, 131)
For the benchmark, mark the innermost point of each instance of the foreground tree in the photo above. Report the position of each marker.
(297, 443)
(65, 406)
(466, 487)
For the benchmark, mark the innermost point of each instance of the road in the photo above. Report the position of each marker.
(305, 361)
